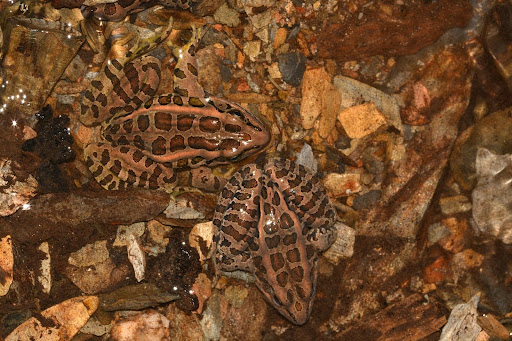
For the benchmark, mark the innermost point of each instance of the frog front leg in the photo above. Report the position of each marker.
(119, 167)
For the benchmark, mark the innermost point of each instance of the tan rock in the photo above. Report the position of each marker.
(315, 82)
(339, 185)
(252, 49)
(136, 256)
(343, 246)
(6, 264)
(361, 120)
(280, 37)
(202, 234)
(144, 327)
(331, 102)
(90, 254)
(45, 277)
(68, 318)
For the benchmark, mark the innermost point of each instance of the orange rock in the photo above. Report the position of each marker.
(436, 272)
(454, 242)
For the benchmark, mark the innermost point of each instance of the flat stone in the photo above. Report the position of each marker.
(227, 16)
(361, 120)
(354, 92)
(135, 297)
(314, 84)
(343, 246)
(90, 254)
(340, 185)
(454, 205)
(6, 264)
(292, 66)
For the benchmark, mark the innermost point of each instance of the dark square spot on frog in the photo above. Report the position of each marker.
(97, 172)
(300, 291)
(184, 122)
(105, 157)
(132, 177)
(137, 156)
(276, 200)
(158, 146)
(128, 126)
(230, 231)
(165, 99)
(293, 255)
(290, 239)
(251, 183)
(201, 143)
(139, 142)
(297, 274)
(143, 122)
(277, 261)
(310, 251)
(281, 173)
(282, 279)
(209, 124)
(163, 121)
(226, 193)
(122, 140)
(116, 167)
(176, 143)
(232, 128)
(272, 242)
(229, 145)
(106, 180)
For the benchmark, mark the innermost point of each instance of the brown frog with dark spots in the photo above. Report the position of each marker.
(273, 221)
(147, 139)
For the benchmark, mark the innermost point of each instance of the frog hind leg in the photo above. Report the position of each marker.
(119, 90)
(120, 167)
(186, 73)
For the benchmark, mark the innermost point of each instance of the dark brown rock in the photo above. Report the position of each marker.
(405, 32)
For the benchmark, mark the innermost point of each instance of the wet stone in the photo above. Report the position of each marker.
(292, 66)
(135, 297)
(366, 200)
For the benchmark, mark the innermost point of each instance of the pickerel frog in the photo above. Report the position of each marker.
(147, 139)
(272, 221)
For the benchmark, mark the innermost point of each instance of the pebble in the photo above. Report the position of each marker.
(462, 323)
(136, 256)
(491, 132)
(367, 200)
(343, 247)
(280, 37)
(227, 16)
(125, 231)
(354, 93)
(15, 193)
(144, 326)
(455, 241)
(6, 264)
(316, 81)
(202, 234)
(135, 297)
(90, 254)
(491, 196)
(341, 185)
(67, 318)
(252, 49)
(361, 120)
(292, 66)
(454, 205)
(45, 275)
(306, 158)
